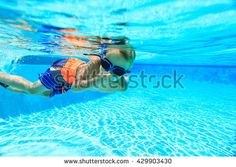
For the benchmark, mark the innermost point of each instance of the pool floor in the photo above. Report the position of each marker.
(196, 120)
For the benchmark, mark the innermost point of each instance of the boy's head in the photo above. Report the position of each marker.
(122, 56)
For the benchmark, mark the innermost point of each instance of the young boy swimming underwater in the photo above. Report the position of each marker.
(77, 75)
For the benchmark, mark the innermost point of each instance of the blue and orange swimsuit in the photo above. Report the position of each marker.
(61, 75)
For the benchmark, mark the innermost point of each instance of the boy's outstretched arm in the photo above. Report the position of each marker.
(102, 83)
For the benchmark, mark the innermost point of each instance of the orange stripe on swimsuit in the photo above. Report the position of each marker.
(69, 70)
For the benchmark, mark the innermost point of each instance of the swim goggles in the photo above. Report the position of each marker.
(108, 66)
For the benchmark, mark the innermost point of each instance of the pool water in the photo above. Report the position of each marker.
(194, 39)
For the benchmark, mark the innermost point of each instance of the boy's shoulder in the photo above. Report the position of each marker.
(91, 66)
(94, 59)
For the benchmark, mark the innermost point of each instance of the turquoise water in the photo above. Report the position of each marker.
(195, 39)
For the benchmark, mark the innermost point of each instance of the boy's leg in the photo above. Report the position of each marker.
(19, 84)
(46, 93)
(14, 89)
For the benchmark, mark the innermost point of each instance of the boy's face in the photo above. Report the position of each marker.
(115, 57)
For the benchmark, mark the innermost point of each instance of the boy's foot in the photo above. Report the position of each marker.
(3, 85)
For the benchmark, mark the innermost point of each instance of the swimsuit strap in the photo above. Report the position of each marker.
(103, 49)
